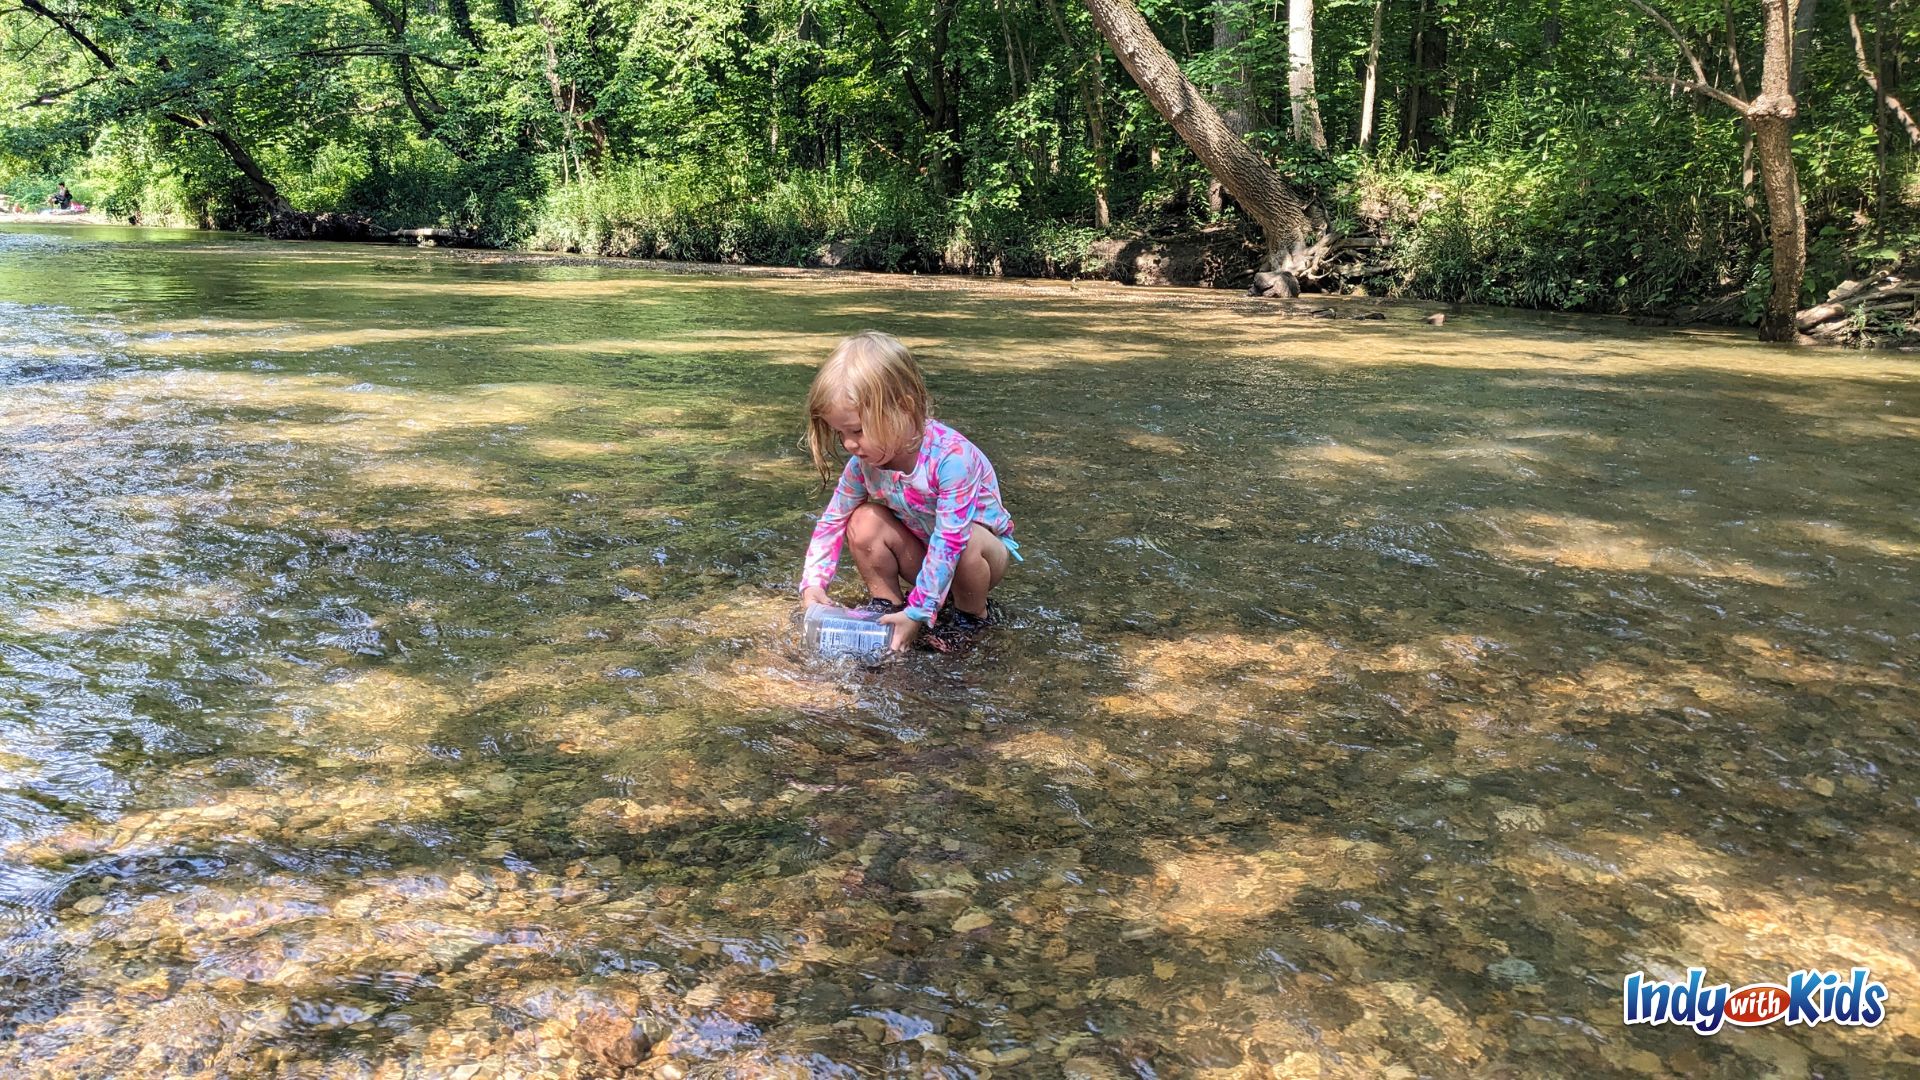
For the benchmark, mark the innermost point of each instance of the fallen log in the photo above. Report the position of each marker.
(435, 237)
(1850, 297)
(1814, 316)
(1367, 270)
(1846, 290)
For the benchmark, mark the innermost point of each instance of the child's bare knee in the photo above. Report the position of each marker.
(974, 557)
(973, 567)
(864, 527)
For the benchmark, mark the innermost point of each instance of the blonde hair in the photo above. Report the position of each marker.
(874, 374)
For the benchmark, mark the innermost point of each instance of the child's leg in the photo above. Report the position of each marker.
(887, 554)
(883, 550)
(981, 567)
(982, 564)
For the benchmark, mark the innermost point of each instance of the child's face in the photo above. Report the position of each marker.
(844, 419)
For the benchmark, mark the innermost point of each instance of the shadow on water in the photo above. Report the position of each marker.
(397, 673)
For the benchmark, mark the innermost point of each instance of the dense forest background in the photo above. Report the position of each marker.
(1566, 154)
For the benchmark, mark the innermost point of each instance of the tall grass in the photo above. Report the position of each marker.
(800, 219)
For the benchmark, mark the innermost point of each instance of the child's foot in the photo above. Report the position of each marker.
(878, 606)
(957, 631)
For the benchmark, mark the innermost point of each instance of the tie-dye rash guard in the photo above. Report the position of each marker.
(951, 487)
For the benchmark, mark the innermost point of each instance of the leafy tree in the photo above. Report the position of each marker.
(1489, 150)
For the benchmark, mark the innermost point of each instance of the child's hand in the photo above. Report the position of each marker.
(811, 595)
(906, 630)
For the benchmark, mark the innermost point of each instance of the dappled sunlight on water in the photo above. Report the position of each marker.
(1585, 543)
(399, 676)
(278, 339)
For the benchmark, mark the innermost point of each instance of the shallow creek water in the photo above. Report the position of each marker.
(398, 678)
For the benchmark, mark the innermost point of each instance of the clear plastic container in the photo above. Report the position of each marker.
(838, 631)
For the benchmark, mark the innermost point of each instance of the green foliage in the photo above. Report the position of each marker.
(804, 219)
(1627, 208)
(955, 135)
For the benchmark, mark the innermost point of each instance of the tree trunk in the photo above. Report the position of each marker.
(1876, 73)
(940, 113)
(1300, 89)
(1370, 87)
(1276, 207)
(773, 111)
(813, 145)
(1234, 92)
(284, 220)
(1095, 89)
(1424, 103)
(1786, 223)
(1410, 103)
(1093, 96)
(1014, 57)
(1771, 118)
(1880, 133)
(462, 17)
(395, 19)
(566, 96)
(1740, 88)
(1803, 11)
(948, 167)
(277, 206)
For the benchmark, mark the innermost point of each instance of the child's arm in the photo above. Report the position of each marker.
(956, 485)
(823, 552)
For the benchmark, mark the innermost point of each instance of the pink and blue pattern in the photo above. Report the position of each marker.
(949, 489)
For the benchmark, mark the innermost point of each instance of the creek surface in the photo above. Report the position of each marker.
(398, 678)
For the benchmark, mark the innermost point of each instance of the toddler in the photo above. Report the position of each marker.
(916, 501)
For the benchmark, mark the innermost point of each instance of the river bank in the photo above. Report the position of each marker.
(1880, 310)
(37, 218)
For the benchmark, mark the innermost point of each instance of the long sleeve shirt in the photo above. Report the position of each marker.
(950, 488)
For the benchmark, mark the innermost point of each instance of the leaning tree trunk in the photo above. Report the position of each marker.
(1279, 211)
(279, 210)
(278, 207)
(1877, 77)
(284, 220)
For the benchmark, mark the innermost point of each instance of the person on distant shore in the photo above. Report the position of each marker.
(62, 199)
(916, 500)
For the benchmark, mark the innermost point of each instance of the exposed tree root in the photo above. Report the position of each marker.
(1328, 264)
